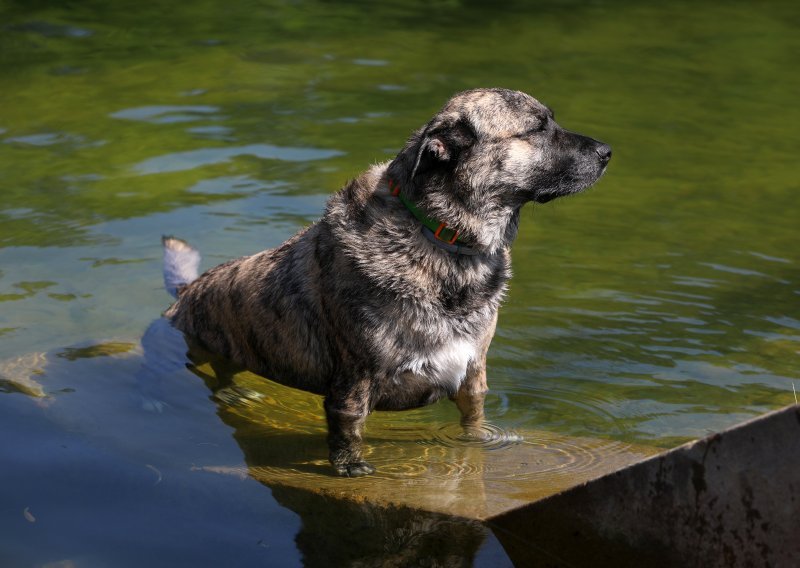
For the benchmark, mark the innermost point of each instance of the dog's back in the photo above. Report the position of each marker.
(259, 311)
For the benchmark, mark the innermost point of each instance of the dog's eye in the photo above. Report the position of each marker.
(539, 128)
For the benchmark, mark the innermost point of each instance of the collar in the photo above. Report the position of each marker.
(437, 232)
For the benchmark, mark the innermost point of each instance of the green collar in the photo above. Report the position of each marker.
(441, 233)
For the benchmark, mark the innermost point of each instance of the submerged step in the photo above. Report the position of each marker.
(473, 480)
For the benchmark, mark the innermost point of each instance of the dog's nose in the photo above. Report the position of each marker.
(604, 151)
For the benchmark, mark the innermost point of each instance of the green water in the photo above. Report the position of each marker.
(658, 307)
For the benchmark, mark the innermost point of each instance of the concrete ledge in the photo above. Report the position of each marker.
(731, 499)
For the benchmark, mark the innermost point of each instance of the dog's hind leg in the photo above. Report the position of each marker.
(346, 414)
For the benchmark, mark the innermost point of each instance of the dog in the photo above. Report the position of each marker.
(390, 300)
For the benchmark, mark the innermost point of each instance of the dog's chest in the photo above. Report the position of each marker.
(432, 334)
(445, 364)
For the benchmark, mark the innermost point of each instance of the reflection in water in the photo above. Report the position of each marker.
(97, 350)
(350, 533)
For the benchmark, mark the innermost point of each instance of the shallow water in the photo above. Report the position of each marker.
(657, 307)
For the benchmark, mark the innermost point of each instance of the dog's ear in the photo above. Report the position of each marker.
(443, 141)
(437, 147)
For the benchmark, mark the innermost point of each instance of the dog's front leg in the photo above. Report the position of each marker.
(346, 414)
(472, 392)
(470, 396)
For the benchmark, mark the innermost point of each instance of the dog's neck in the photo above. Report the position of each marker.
(488, 232)
(483, 224)
(444, 237)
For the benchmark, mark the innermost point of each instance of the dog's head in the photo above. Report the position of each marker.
(487, 153)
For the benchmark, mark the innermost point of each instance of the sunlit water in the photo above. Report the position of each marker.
(658, 307)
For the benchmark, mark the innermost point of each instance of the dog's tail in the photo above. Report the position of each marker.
(181, 263)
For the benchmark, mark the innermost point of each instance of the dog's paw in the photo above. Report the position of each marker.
(354, 469)
(489, 436)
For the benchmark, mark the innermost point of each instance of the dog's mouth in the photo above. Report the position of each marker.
(545, 198)
(579, 179)
(576, 185)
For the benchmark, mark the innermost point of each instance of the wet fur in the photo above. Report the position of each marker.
(361, 307)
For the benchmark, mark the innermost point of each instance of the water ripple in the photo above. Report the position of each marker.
(166, 114)
(190, 159)
(486, 436)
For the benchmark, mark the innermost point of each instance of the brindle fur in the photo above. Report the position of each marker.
(361, 307)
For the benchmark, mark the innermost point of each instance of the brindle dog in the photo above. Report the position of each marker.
(390, 301)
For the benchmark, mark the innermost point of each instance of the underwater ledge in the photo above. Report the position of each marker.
(730, 499)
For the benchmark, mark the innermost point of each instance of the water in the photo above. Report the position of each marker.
(657, 307)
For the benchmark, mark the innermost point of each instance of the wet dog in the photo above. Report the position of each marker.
(390, 301)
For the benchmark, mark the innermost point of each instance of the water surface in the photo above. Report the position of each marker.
(657, 307)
